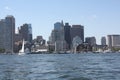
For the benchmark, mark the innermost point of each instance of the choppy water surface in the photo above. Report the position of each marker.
(60, 67)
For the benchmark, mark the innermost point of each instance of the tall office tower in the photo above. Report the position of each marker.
(90, 40)
(113, 41)
(26, 32)
(57, 36)
(30, 33)
(58, 26)
(52, 37)
(10, 32)
(7, 30)
(67, 35)
(2, 33)
(103, 41)
(77, 30)
(59, 30)
(109, 39)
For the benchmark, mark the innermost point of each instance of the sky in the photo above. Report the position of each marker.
(99, 17)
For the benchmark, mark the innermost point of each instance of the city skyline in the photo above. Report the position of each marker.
(100, 18)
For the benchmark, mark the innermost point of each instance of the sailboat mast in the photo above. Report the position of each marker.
(23, 45)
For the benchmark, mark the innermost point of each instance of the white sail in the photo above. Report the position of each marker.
(21, 52)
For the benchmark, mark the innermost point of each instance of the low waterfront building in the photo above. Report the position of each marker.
(90, 40)
(39, 45)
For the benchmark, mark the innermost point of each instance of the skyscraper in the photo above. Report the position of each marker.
(109, 39)
(26, 32)
(7, 27)
(57, 36)
(67, 35)
(2, 33)
(77, 30)
(30, 33)
(103, 41)
(59, 30)
(57, 26)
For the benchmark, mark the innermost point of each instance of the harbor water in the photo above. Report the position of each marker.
(86, 66)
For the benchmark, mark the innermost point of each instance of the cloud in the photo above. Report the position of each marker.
(7, 8)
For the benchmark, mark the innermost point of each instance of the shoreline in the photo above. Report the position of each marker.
(61, 53)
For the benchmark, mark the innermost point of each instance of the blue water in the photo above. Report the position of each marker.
(60, 67)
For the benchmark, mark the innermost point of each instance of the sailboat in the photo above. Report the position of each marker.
(22, 51)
